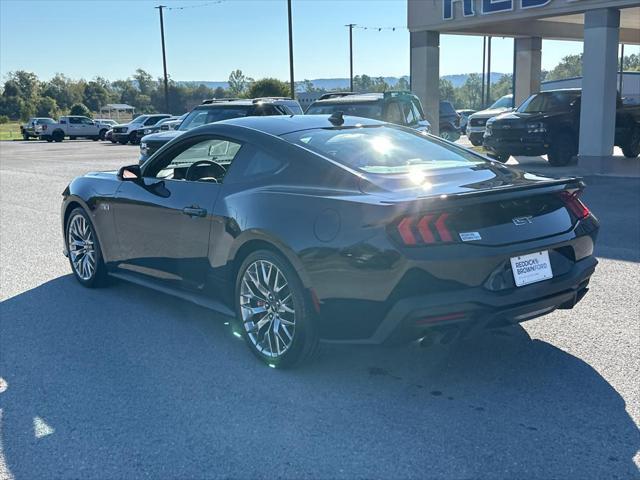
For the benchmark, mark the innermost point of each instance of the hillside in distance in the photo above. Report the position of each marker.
(335, 83)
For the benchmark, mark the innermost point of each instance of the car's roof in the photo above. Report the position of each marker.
(282, 124)
(357, 98)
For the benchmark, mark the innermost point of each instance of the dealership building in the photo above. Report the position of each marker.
(601, 24)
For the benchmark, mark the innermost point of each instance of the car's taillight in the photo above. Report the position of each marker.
(574, 204)
(428, 229)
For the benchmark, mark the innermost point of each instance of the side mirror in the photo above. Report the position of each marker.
(130, 173)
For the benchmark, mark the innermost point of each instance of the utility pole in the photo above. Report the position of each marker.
(164, 60)
(488, 71)
(484, 68)
(351, 25)
(291, 77)
(621, 69)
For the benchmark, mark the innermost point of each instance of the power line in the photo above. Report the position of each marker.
(380, 28)
(197, 5)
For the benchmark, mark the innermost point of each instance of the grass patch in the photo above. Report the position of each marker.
(10, 131)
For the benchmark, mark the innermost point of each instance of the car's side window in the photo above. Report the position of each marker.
(409, 113)
(74, 120)
(256, 163)
(394, 113)
(207, 161)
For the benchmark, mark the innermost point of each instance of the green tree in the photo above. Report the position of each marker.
(11, 89)
(28, 84)
(570, 66)
(219, 92)
(80, 109)
(469, 95)
(402, 84)
(15, 108)
(4, 119)
(47, 107)
(238, 83)
(63, 91)
(145, 82)
(307, 86)
(502, 87)
(95, 96)
(447, 92)
(269, 87)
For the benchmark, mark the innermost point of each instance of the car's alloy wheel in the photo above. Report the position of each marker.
(274, 312)
(267, 309)
(84, 250)
(81, 248)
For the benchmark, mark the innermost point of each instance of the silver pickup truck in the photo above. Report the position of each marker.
(72, 127)
(34, 126)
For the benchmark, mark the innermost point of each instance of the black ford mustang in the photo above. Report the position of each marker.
(311, 227)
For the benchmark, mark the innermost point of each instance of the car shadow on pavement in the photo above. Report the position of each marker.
(124, 382)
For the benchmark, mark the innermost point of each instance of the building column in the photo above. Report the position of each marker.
(425, 74)
(599, 75)
(528, 52)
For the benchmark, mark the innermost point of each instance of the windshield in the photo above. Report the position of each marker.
(502, 102)
(549, 102)
(209, 115)
(366, 110)
(139, 119)
(383, 149)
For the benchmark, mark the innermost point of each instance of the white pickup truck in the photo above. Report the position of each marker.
(72, 126)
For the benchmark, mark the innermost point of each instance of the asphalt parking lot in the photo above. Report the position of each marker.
(124, 382)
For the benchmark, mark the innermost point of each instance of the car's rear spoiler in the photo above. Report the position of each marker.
(497, 193)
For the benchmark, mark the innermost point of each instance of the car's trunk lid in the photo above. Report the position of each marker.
(483, 204)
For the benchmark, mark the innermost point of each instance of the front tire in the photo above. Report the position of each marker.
(102, 133)
(632, 148)
(562, 150)
(133, 138)
(274, 312)
(57, 136)
(85, 255)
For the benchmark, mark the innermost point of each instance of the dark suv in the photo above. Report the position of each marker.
(402, 108)
(449, 121)
(215, 110)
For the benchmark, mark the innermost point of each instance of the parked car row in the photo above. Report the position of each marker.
(548, 123)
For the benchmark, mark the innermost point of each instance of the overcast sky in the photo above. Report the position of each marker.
(88, 38)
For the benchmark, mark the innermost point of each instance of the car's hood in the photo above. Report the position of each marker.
(163, 137)
(520, 117)
(489, 113)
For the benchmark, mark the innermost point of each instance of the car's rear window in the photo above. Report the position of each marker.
(366, 110)
(383, 149)
(205, 116)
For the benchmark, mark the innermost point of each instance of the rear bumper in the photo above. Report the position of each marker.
(473, 308)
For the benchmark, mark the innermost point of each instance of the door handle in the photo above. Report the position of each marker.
(194, 211)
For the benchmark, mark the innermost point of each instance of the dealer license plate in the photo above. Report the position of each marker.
(531, 268)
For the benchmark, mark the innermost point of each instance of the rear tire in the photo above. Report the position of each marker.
(632, 148)
(274, 312)
(562, 150)
(475, 142)
(25, 136)
(72, 138)
(83, 248)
